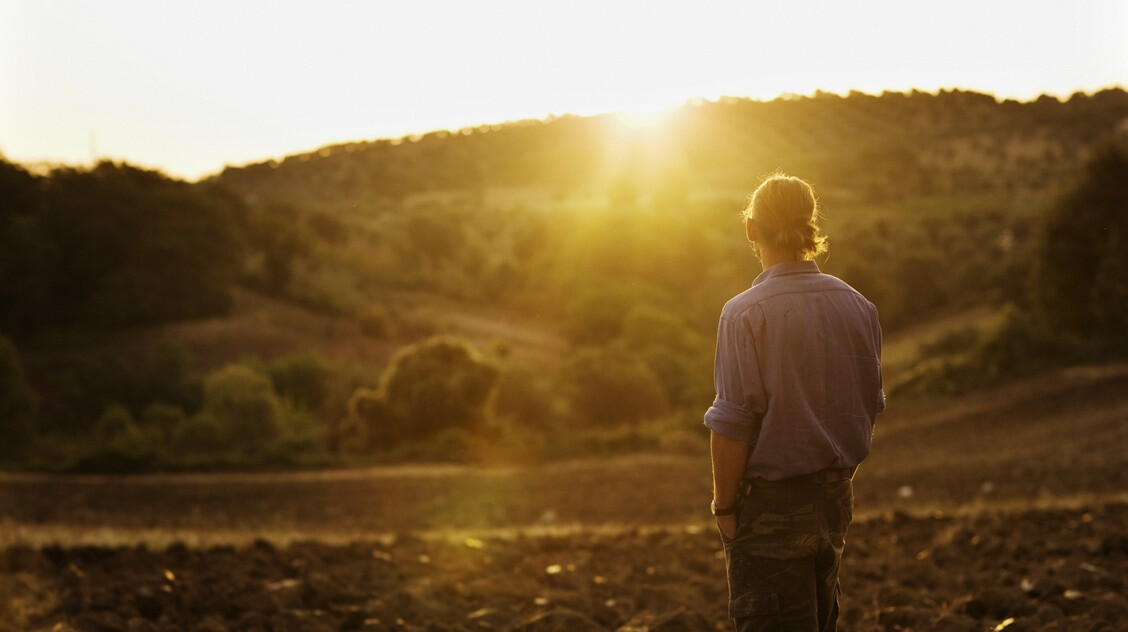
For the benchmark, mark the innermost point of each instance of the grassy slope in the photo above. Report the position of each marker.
(268, 328)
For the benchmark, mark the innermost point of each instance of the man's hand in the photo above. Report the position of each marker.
(727, 525)
(729, 457)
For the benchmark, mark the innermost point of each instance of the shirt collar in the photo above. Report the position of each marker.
(786, 268)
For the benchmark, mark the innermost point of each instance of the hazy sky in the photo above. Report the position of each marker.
(190, 86)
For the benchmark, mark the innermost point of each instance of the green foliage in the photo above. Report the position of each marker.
(597, 313)
(523, 398)
(679, 357)
(1021, 346)
(169, 377)
(276, 241)
(606, 386)
(304, 380)
(114, 246)
(163, 420)
(119, 444)
(646, 326)
(79, 389)
(1080, 275)
(244, 404)
(200, 434)
(574, 227)
(428, 386)
(17, 402)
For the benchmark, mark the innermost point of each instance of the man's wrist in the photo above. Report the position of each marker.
(719, 511)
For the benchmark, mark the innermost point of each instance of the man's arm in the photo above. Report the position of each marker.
(729, 457)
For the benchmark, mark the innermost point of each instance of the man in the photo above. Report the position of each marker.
(798, 380)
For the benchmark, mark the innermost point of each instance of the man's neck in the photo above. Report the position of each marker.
(770, 257)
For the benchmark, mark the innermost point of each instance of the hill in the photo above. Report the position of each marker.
(894, 145)
(570, 263)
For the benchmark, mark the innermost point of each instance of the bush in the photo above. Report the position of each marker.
(522, 398)
(597, 316)
(1020, 346)
(438, 383)
(119, 445)
(681, 378)
(199, 435)
(304, 380)
(645, 327)
(169, 377)
(243, 402)
(607, 386)
(163, 419)
(17, 402)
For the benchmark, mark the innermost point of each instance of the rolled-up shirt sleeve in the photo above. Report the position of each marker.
(739, 406)
(880, 385)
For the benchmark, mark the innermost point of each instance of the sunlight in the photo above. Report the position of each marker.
(639, 121)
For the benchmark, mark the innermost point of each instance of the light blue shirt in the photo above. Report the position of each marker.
(798, 372)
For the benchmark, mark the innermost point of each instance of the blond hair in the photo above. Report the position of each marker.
(785, 211)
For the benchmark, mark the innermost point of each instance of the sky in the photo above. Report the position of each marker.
(190, 86)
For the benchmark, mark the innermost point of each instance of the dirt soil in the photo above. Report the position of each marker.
(1041, 570)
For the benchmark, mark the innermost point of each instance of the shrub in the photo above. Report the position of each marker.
(116, 429)
(1020, 346)
(438, 383)
(646, 326)
(608, 386)
(299, 442)
(119, 444)
(302, 379)
(366, 413)
(522, 398)
(597, 315)
(169, 377)
(200, 434)
(679, 376)
(243, 402)
(17, 402)
(163, 419)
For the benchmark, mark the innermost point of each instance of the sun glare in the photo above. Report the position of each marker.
(643, 121)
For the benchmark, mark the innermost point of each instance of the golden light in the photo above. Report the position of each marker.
(643, 121)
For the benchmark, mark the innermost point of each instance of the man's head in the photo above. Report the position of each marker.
(782, 214)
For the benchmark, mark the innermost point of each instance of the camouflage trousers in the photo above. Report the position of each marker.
(783, 560)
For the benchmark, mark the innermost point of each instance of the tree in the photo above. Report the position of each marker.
(1079, 282)
(438, 383)
(607, 386)
(25, 251)
(17, 402)
(243, 403)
